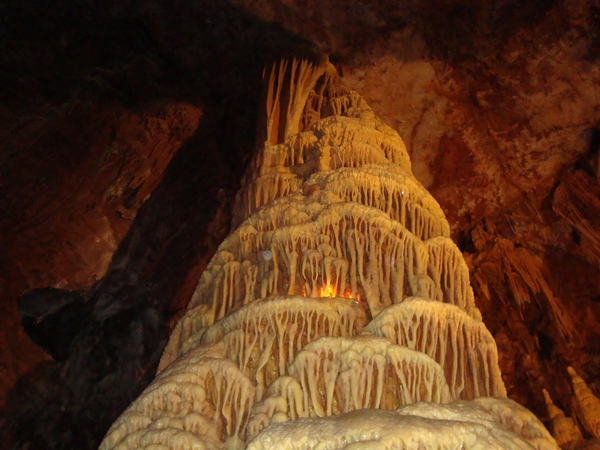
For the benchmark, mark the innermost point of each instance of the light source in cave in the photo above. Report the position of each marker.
(269, 355)
(327, 291)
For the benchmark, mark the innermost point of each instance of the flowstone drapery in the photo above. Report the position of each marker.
(338, 313)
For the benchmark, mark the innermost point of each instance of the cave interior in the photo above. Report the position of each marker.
(126, 128)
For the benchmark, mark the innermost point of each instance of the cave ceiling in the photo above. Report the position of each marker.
(125, 128)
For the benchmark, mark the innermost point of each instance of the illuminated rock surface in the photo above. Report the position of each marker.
(564, 429)
(497, 103)
(337, 300)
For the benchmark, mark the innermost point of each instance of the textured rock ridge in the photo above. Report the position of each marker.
(338, 313)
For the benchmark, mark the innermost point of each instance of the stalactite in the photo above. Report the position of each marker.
(450, 274)
(519, 270)
(337, 375)
(290, 81)
(462, 346)
(379, 258)
(389, 189)
(331, 231)
(264, 338)
(205, 388)
(577, 199)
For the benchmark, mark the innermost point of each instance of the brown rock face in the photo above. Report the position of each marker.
(508, 90)
(111, 159)
(125, 128)
(66, 220)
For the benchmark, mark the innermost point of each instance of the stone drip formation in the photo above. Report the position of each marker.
(338, 314)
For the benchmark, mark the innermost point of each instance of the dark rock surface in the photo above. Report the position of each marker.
(53, 317)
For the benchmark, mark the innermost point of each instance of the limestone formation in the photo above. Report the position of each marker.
(576, 199)
(564, 429)
(460, 344)
(587, 405)
(338, 313)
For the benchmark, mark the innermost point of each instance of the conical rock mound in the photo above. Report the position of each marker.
(338, 313)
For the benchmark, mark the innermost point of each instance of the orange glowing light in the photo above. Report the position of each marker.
(330, 291)
(348, 294)
(327, 291)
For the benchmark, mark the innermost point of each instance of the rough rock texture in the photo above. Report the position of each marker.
(84, 205)
(563, 428)
(492, 99)
(110, 117)
(274, 332)
(496, 102)
(529, 266)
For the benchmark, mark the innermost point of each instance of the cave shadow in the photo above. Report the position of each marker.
(112, 348)
(82, 43)
(455, 31)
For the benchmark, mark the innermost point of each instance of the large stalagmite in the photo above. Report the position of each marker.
(338, 313)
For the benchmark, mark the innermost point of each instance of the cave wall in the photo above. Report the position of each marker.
(126, 128)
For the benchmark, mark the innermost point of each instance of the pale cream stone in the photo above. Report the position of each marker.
(374, 429)
(460, 344)
(330, 230)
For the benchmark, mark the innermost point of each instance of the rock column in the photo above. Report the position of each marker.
(338, 312)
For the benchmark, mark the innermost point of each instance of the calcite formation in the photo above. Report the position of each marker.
(586, 407)
(564, 429)
(338, 313)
